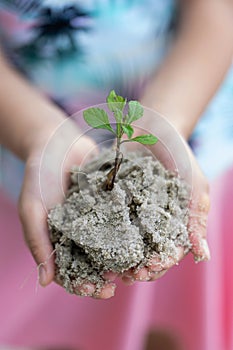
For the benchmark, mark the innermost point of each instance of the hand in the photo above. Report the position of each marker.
(40, 194)
(45, 172)
(199, 205)
(199, 208)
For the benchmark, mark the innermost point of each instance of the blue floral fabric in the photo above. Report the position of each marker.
(76, 51)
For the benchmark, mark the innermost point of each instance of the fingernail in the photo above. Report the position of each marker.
(205, 256)
(112, 290)
(206, 249)
(42, 276)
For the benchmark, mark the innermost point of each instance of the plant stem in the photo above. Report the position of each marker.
(113, 172)
(117, 149)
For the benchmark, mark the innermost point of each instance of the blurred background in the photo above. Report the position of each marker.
(76, 52)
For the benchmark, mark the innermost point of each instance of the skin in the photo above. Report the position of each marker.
(180, 90)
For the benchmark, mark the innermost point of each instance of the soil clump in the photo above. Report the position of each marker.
(143, 216)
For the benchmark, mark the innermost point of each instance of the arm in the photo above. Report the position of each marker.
(180, 90)
(196, 65)
(25, 114)
(27, 121)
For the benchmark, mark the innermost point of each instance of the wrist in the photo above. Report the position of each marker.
(183, 124)
(180, 124)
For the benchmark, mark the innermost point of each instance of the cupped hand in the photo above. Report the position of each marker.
(198, 212)
(199, 198)
(46, 179)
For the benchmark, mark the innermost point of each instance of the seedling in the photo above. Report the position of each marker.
(98, 118)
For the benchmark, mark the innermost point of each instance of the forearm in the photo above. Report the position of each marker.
(24, 112)
(196, 64)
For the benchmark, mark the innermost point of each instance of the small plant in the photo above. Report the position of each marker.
(98, 118)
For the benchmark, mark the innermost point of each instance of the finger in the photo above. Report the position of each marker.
(106, 292)
(198, 212)
(88, 289)
(110, 276)
(128, 277)
(198, 226)
(85, 289)
(128, 280)
(33, 219)
(54, 166)
(199, 208)
(81, 152)
(157, 265)
(154, 269)
(156, 275)
(141, 274)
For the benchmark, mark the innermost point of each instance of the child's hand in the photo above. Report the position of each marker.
(47, 168)
(44, 173)
(199, 208)
(197, 232)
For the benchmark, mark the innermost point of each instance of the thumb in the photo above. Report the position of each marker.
(199, 208)
(34, 222)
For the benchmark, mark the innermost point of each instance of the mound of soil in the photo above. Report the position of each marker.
(95, 231)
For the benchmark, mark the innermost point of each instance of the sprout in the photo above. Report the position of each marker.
(98, 118)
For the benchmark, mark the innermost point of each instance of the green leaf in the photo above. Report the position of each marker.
(145, 139)
(116, 102)
(97, 118)
(118, 115)
(128, 130)
(135, 112)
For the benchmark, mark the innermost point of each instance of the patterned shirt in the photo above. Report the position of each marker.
(76, 51)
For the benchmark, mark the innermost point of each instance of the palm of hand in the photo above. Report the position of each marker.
(43, 187)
